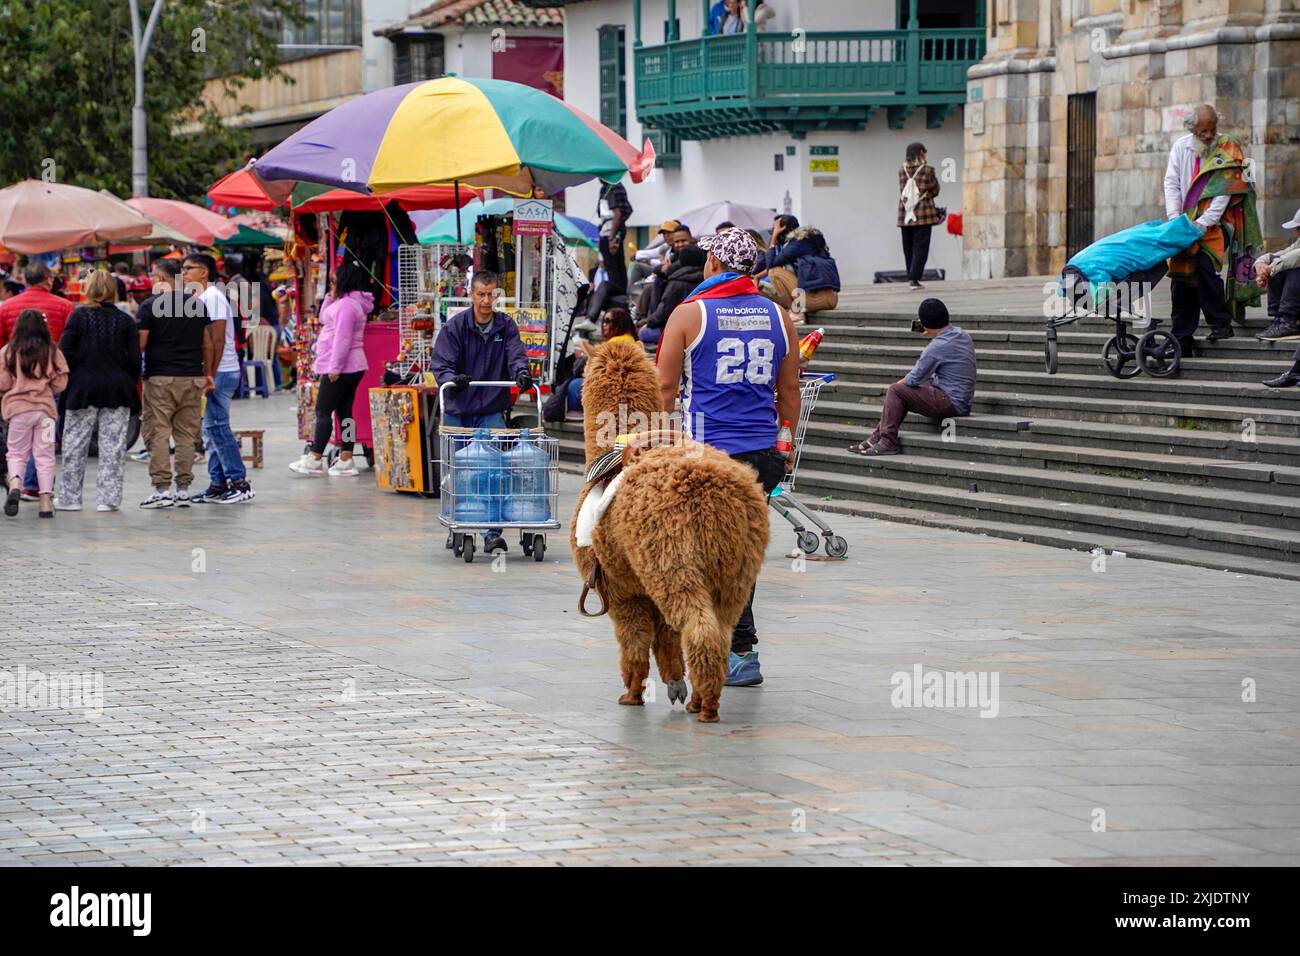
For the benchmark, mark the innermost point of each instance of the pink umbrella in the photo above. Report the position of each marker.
(203, 225)
(42, 217)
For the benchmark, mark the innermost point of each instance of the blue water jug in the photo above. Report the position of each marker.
(478, 480)
(527, 471)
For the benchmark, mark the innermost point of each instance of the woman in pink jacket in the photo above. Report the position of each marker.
(340, 363)
(32, 370)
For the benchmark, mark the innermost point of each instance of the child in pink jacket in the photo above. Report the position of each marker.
(32, 370)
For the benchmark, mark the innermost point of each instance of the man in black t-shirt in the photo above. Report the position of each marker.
(179, 364)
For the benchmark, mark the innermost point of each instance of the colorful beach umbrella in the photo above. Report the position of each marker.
(37, 216)
(244, 189)
(488, 133)
(203, 226)
(444, 227)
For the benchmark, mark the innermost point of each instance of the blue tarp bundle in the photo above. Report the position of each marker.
(1140, 247)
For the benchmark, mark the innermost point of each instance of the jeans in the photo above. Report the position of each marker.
(1203, 294)
(574, 391)
(335, 400)
(224, 463)
(494, 420)
(899, 400)
(916, 250)
(649, 336)
(770, 465)
(1284, 295)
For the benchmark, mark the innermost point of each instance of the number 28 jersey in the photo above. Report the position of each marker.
(729, 379)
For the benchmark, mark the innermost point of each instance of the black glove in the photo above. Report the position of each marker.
(460, 382)
(524, 380)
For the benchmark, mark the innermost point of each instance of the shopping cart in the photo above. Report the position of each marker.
(782, 498)
(498, 478)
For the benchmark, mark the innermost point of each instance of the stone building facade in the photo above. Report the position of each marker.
(1071, 114)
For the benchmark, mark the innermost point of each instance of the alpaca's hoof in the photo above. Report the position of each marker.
(708, 717)
(677, 690)
(693, 706)
(631, 700)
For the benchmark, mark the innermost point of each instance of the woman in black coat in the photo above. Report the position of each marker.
(102, 346)
(678, 283)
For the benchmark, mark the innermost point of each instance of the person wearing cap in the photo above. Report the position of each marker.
(678, 237)
(940, 385)
(733, 356)
(1279, 273)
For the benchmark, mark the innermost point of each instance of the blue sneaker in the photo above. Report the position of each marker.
(742, 670)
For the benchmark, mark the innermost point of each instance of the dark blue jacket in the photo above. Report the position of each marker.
(497, 357)
(813, 271)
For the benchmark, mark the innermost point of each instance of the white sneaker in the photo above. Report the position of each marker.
(160, 498)
(141, 455)
(61, 506)
(182, 497)
(344, 469)
(308, 464)
(105, 507)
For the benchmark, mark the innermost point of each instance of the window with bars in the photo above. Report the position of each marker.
(326, 25)
(613, 79)
(417, 58)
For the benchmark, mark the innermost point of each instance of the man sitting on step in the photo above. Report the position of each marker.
(940, 385)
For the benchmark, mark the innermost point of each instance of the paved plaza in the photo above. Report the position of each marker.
(312, 678)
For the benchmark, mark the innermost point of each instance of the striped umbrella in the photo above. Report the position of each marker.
(488, 133)
(244, 189)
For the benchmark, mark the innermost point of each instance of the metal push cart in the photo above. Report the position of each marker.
(511, 493)
(782, 498)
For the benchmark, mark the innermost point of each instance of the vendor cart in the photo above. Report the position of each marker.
(496, 480)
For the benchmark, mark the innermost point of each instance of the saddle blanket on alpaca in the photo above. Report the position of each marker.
(593, 507)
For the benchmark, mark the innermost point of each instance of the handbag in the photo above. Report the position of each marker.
(287, 354)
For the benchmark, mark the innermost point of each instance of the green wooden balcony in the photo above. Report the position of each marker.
(756, 83)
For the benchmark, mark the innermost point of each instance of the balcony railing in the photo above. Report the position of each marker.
(767, 76)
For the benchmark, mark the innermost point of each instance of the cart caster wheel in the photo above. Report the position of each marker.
(836, 546)
(539, 547)
(469, 548)
(1118, 352)
(526, 540)
(457, 544)
(1049, 351)
(808, 542)
(1158, 354)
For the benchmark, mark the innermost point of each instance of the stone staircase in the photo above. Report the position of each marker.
(1201, 470)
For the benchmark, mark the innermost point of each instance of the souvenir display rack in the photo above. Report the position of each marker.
(432, 283)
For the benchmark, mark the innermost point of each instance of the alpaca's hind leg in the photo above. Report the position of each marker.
(634, 627)
(706, 655)
(668, 655)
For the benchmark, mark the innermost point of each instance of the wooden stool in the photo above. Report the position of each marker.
(256, 435)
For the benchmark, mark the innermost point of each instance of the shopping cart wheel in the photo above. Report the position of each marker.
(469, 548)
(526, 542)
(457, 544)
(808, 541)
(1119, 353)
(1049, 351)
(539, 547)
(836, 546)
(1158, 354)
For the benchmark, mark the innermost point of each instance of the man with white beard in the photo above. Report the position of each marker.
(1191, 187)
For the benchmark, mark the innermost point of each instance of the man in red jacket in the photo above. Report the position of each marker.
(36, 296)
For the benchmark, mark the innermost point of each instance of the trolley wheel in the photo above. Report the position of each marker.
(1118, 352)
(836, 546)
(539, 547)
(526, 539)
(457, 544)
(469, 548)
(1049, 351)
(808, 541)
(1158, 354)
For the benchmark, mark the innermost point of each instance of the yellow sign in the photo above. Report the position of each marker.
(823, 165)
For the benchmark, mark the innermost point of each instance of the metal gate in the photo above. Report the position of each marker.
(1081, 156)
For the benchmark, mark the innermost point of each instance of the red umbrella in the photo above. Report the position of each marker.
(41, 217)
(203, 225)
(244, 189)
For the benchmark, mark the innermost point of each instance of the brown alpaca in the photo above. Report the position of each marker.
(680, 546)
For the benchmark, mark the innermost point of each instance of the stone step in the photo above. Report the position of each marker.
(902, 318)
(1070, 512)
(1226, 368)
(1156, 441)
(1143, 388)
(1190, 416)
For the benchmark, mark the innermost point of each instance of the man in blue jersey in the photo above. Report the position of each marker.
(734, 357)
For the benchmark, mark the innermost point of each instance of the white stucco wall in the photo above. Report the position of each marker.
(857, 216)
